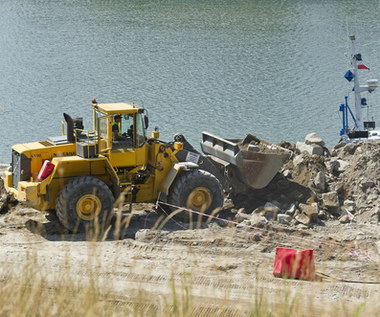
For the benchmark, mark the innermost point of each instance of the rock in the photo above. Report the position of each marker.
(331, 166)
(263, 220)
(349, 205)
(311, 149)
(3, 198)
(338, 187)
(338, 166)
(339, 145)
(341, 166)
(323, 215)
(303, 219)
(241, 216)
(284, 219)
(255, 219)
(291, 210)
(376, 213)
(286, 173)
(378, 246)
(244, 223)
(344, 219)
(330, 199)
(319, 181)
(311, 211)
(270, 212)
(298, 159)
(313, 138)
(349, 148)
(366, 184)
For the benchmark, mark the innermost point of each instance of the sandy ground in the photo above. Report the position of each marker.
(225, 266)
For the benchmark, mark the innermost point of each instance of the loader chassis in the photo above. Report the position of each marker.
(92, 169)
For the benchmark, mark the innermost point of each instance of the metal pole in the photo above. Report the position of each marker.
(358, 107)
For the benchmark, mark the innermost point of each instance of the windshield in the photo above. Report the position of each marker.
(126, 125)
(128, 130)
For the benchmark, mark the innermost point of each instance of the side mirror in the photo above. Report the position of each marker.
(146, 122)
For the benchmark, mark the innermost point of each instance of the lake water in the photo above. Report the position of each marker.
(270, 68)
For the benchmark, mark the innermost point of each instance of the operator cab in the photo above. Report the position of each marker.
(119, 126)
(122, 131)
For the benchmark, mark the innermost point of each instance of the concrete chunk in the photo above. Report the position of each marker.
(284, 219)
(319, 181)
(331, 199)
(310, 148)
(313, 138)
(302, 218)
(311, 211)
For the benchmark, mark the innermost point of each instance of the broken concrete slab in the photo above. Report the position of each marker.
(309, 148)
(284, 219)
(331, 199)
(303, 219)
(311, 211)
(341, 166)
(319, 181)
(291, 210)
(313, 138)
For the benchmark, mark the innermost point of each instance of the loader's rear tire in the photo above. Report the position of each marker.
(85, 203)
(196, 190)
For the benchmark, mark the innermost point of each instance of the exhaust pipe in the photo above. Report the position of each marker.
(72, 124)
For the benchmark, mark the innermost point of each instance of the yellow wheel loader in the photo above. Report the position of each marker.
(91, 169)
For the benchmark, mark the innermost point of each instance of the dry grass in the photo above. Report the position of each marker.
(33, 290)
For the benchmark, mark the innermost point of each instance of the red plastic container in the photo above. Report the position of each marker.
(290, 263)
(46, 170)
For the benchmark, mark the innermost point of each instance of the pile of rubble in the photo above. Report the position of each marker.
(315, 185)
(318, 184)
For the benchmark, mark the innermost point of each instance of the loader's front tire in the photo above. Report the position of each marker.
(85, 203)
(196, 190)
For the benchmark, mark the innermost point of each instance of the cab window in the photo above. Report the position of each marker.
(140, 131)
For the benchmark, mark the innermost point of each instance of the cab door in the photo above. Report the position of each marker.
(131, 150)
(105, 134)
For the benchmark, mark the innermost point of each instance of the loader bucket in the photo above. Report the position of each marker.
(254, 166)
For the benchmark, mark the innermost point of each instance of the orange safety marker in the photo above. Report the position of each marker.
(291, 263)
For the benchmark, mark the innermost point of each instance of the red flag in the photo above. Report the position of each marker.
(362, 66)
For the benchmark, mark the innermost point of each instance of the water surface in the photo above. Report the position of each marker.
(270, 68)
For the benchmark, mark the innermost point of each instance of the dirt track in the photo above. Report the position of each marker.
(218, 262)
